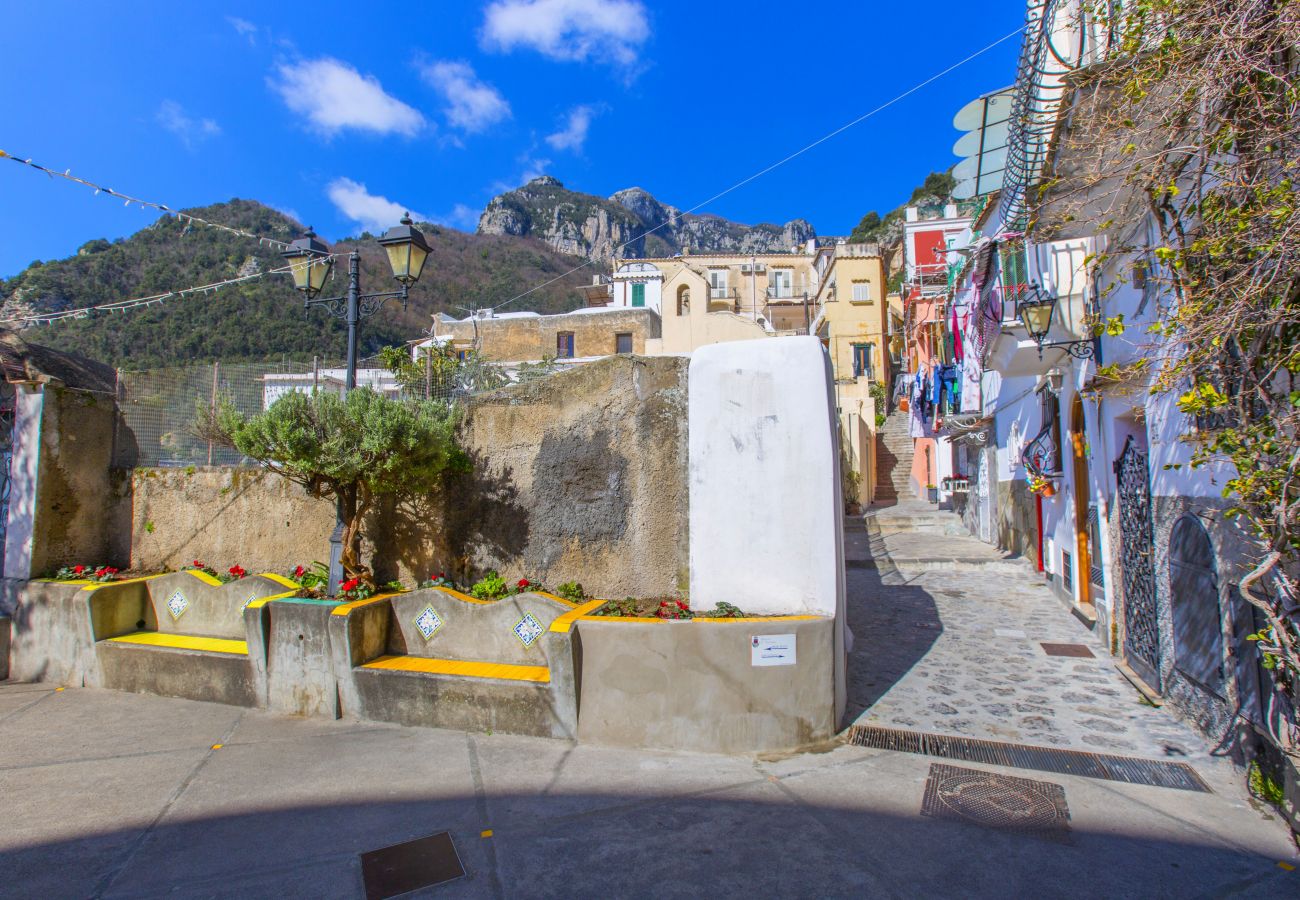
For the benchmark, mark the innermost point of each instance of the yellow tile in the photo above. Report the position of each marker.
(463, 667)
(184, 642)
(563, 623)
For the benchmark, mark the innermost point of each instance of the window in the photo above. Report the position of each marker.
(717, 282)
(564, 345)
(623, 342)
(780, 284)
(861, 292)
(638, 294)
(862, 357)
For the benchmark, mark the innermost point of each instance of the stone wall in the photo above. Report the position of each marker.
(523, 338)
(1014, 519)
(578, 476)
(74, 483)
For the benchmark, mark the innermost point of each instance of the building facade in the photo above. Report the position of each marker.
(852, 322)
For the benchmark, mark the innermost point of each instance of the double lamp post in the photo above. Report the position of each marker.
(310, 263)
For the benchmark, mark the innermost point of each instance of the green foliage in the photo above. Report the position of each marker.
(490, 587)
(572, 591)
(360, 447)
(722, 610)
(1264, 786)
(872, 228)
(264, 318)
(880, 419)
(313, 578)
(624, 607)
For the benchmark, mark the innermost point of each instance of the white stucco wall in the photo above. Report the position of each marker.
(29, 407)
(766, 514)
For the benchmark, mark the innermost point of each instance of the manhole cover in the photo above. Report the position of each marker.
(1079, 650)
(410, 866)
(1021, 805)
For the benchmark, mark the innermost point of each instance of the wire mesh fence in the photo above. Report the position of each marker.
(160, 408)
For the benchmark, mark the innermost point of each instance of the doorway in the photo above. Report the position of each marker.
(1085, 512)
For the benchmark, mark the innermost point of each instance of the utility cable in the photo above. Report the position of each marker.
(759, 174)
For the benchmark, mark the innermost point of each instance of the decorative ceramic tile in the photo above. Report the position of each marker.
(428, 622)
(177, 604)
(528, 630)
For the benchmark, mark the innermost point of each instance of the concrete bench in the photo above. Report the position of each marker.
(185, 634)
(437, 657)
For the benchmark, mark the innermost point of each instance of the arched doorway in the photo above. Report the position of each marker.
(1087, 535)
(1194, 597)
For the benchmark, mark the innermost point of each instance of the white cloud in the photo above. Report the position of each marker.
(574, 133)
(335, 96)
(461, 217)
(244, 27)
(472, 104)
(192, 132)
(603, 30)
(372, 212)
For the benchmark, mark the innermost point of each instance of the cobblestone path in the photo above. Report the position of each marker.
(957, 649)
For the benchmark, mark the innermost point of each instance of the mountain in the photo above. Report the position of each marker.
(629, 223)
(264, 318)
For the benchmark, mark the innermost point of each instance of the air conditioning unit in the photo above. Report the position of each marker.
(745, 268)
(760, 268)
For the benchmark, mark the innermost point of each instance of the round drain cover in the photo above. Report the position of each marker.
(998, 801)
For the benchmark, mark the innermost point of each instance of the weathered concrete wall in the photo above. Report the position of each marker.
(692, 686)
(1014, 519)
(224, 516)
(511, 339)
(74, 484)
(578, 476)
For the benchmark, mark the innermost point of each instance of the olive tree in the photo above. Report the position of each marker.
(354, 449)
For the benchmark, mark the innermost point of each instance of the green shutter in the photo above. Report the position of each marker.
(638, 295)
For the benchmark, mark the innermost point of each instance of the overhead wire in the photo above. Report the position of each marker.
(759, 174)
(127, 199)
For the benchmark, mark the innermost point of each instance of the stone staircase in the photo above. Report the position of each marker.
(894, 452)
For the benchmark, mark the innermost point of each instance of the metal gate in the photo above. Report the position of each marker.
(1137, 565)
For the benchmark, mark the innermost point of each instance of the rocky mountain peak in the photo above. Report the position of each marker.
(630, 223)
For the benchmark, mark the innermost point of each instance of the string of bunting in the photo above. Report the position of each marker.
(127, 200)
(87, 312)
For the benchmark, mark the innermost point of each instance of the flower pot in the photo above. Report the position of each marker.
(903, 405)
(1048, 490)
(853, 509)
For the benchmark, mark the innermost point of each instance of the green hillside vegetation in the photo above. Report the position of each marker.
(937, 187)
(264, 318)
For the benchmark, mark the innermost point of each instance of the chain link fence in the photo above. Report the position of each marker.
(160, 407)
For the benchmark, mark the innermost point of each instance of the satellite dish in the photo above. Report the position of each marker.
(976, 115)
(995, 137)
(983, 164)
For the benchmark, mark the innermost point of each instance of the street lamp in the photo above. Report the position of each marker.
(310, 263)
(1035, 309)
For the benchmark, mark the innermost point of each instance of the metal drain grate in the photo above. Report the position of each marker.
(407, 867)
(1079, 650)
(1104, 766)
(1004, 802)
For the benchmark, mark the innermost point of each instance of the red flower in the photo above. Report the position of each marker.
(298, 572)
(681, 605)
(441, 576)
(78, 569)
(523, 583)
(349, 585)
(198, 564)
(237, 571)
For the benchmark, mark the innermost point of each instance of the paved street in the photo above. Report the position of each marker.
(118, 795)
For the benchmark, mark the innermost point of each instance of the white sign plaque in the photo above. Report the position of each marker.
(771, 650)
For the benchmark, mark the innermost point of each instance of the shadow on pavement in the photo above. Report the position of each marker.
(894, 626)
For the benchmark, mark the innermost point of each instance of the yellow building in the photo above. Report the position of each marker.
(708, 298)
(852, 319)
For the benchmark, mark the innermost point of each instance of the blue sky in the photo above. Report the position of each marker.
(341, 112)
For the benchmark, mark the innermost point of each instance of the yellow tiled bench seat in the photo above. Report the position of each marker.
(440, 658)
(463, 667)
(186, 634)
(185, 642)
